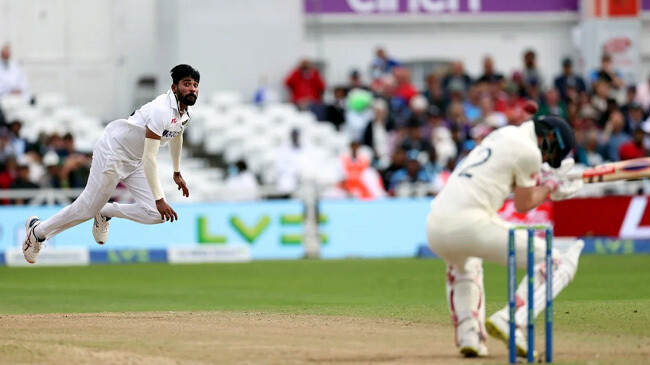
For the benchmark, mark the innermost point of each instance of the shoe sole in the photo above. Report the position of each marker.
(469, 351)
(27, 229)
(94, 225)
(495, 332)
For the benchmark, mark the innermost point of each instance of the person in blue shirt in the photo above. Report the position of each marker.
(569, 79)
(412, 173)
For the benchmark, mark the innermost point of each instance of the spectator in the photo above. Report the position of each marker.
(405, 89)
(12, 77)
(414, 140)
(413, 173)
(35, 162)
(514, 107)
(385, 89)
(433, 92)
(630, 99)
(74, 171)
(534, 91)
(643, 95)
(441, 179)
(290, 161)
(416, 114)
(520, 84)
(434, 120)
(431, 166)
(471, 104)
(633, 148)
(264, 94)
(490, 75)
(588, 117)
(458, 120)
(477, 133)
(459, 136)
(361, 181)
(397, 162)
(588, 153)
(446, 148)
(456, 79)
(607, 73)
(305, 85)
(22, 182)
(531, 73)
(489, 115)
(6, 147)
(382, 64)
(335, 112)
(455, 95)
(358, 113)
(614, 136)
(633, 118)
(52, 177)
(241, 184)
(569, 79)
(497, 92)
(8, 173)
(611, 106)
(552, 104)
(67, 145)
(573, 95)
(19, 144)
(54, 142)
(572, 113)
(599, 98)
(355, 82)
(376, 135)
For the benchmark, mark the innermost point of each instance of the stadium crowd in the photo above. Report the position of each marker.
(50, 161)
(418, 136)
(405, 141)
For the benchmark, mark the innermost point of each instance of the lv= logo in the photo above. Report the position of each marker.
(252, 231)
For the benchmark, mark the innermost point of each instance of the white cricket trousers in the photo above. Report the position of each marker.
(106, 171)
(458, 236)
(466, 237)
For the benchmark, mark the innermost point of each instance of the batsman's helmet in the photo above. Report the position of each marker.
(557, 138)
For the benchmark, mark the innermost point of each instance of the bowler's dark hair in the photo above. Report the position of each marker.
(182, 71)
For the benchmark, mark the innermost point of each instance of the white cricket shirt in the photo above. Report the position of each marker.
(507, 157)
(160, 115)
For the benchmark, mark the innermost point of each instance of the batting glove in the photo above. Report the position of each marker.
(566, 188)
(553, 178)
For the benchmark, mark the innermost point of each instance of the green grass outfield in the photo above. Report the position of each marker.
(610, 294)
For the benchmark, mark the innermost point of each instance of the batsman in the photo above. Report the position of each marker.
(463, 227)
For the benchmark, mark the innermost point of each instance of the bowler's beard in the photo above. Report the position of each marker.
(186, 99)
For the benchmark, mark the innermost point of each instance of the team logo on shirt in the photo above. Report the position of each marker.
(174, 121)
(171, 134)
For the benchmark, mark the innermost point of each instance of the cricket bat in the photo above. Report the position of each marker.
(633, 169)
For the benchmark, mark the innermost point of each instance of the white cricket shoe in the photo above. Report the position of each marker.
(31, 245)
(498, 327)
(470, 341)
(100, 229)
(474, 349)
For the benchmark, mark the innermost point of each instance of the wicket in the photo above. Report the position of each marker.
(512, 285)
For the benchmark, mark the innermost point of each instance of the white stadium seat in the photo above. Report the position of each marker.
(13, 103)
(48, 103)
(224, 100)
